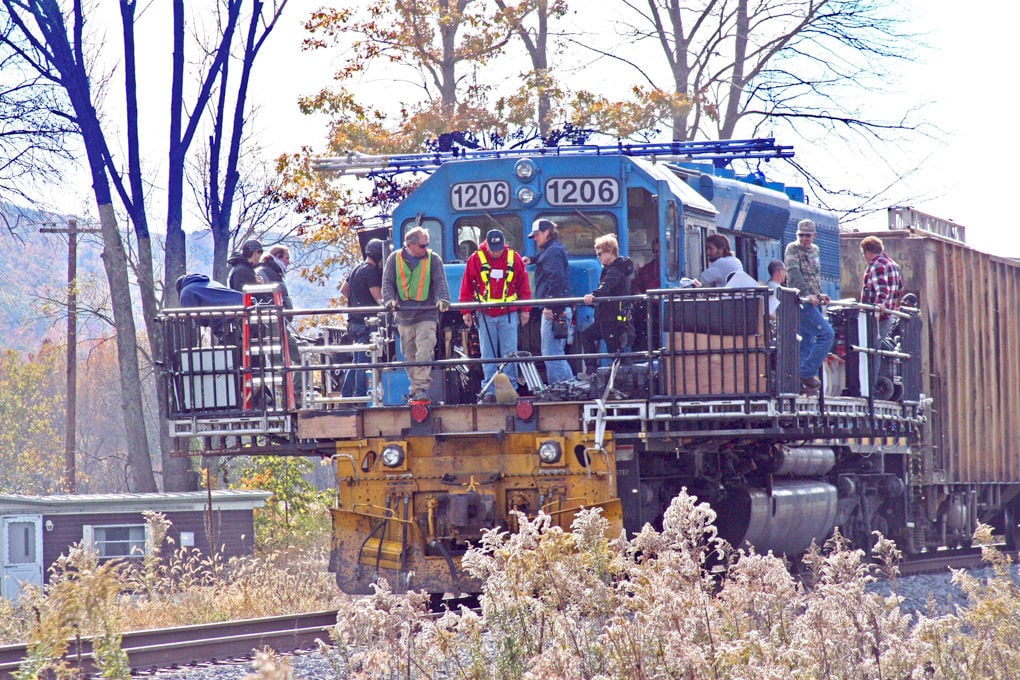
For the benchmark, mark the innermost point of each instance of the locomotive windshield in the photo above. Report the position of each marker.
(578, 230)
(470, 231)
(433, 226)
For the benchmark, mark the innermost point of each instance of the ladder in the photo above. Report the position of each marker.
(266, 379)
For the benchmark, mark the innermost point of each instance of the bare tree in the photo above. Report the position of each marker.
(540, 81)
(219, 93)
(56, 53)
(34, 127)
(256, 211)
(229, 114)
(790, 62)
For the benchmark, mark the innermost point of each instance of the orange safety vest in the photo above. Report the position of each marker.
(413, 284)
(486, 268)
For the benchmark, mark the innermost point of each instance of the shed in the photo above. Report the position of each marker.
(36, 530)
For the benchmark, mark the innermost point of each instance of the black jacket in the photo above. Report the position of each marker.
(241, 273)
(614, 281)
(271, 272)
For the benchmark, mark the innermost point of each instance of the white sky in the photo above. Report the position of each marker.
(965, 80)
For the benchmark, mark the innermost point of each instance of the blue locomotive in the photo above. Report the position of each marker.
(708, 400)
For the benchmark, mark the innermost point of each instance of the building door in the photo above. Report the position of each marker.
(21, 542)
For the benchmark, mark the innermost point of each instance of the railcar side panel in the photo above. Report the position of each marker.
(970, 367)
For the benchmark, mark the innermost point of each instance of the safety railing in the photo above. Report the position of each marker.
(706, 344)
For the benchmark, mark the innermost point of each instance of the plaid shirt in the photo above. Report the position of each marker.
(882, 283)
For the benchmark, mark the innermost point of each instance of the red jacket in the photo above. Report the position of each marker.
(472, 288)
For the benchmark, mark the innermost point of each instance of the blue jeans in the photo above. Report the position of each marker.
(882, 366)
(355, 382)
(497, 336)
(555, 369)
(815, 340)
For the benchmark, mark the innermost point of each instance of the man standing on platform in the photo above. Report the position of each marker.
(804, 272)
(362, 289)
(495, 273)
(414, 287)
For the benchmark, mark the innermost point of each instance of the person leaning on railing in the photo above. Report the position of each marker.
(552, 280)
(363, 288)
(804, 272)
(612, 319)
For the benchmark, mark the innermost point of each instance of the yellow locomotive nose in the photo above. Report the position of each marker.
(410, 506)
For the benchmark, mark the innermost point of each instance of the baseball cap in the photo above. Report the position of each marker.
(805, 227)
(495, 239)
(541, 225)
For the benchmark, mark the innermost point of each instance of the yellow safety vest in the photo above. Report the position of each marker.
(413, 284)
(486, 268)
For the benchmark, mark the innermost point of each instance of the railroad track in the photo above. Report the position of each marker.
(204, 643)
(940, 561)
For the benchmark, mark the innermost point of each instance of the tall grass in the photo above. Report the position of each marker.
(565, 605)
(169, 586)
(562, 604)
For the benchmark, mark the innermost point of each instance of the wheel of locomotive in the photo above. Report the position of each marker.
(884, 388)
(856, 530)
(1011, 525)
(897, 394)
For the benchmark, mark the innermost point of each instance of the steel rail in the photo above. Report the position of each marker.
(201, 643)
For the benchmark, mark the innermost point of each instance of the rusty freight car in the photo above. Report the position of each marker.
(966, 466)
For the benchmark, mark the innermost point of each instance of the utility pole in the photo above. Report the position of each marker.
(67, 481)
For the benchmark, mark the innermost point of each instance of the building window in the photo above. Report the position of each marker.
(125, 540)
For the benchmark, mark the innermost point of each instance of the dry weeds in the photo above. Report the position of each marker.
(565, 605)
(569, 605)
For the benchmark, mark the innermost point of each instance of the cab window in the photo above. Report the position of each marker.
(433, 226)
(578, 230)
(470, 231)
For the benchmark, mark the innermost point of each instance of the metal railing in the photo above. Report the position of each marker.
(707, 344)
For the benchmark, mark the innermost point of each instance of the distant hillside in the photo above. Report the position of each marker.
(33, 281)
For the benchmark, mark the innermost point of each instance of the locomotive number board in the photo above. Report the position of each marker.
(480, 195)
(582, 191)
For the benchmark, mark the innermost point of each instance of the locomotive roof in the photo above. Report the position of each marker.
(691, 198)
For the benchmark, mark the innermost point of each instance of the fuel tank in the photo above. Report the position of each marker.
(797, 512)
(804, 461)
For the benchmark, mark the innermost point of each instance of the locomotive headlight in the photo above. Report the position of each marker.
(526, 195)
(549, 452)
(524, 169)
(392, 456)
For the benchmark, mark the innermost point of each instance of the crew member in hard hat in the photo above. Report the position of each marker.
(242, 266)
(362, 289)
(414, 287)
(496, 273)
